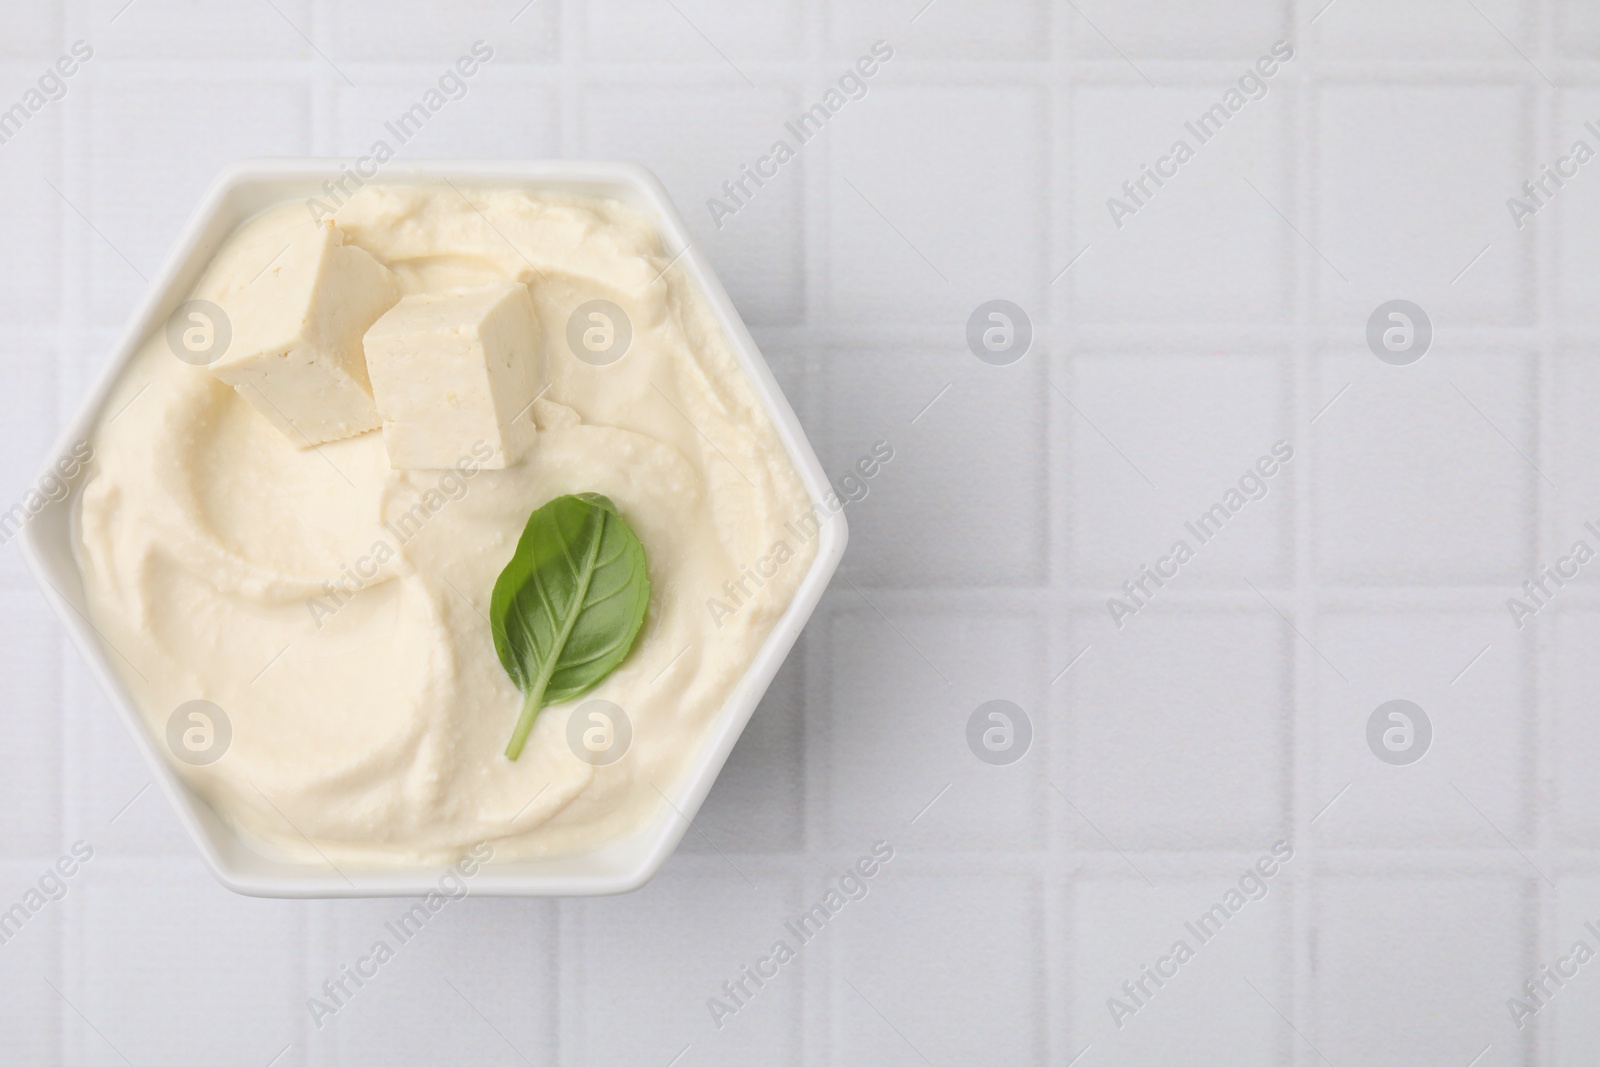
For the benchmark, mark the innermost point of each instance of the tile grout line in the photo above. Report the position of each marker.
(1063, 867)
(1299, 964)
(1544, 826)
(1056, 980)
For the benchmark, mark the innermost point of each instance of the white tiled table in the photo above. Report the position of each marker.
(1227, 314)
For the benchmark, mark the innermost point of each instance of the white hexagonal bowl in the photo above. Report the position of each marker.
(242, 191)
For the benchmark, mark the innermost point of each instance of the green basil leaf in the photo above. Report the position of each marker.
(568, 606)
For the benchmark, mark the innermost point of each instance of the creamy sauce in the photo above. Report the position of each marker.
(335, 609)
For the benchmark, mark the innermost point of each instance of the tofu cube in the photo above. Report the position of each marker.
(297, 326)
(455, 371)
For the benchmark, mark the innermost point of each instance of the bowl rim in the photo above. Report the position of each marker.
(617, 867)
